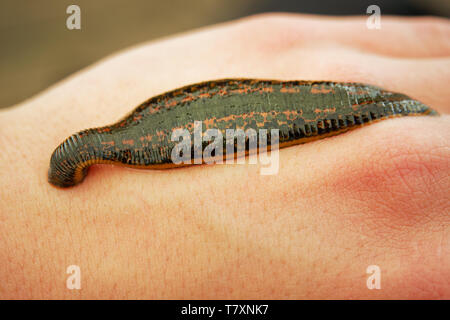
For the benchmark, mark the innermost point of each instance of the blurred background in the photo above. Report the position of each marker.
(38, 50)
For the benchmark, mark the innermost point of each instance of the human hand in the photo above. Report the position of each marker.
(378, 195)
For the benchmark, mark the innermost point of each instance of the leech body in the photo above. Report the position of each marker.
(301, 110)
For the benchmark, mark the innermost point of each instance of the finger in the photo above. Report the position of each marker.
(425, 80)
(398, 36)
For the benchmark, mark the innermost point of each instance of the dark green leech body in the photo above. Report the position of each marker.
(299, 109)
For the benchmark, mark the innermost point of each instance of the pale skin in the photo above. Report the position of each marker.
(378, 195)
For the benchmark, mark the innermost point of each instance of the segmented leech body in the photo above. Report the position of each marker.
(301, 110)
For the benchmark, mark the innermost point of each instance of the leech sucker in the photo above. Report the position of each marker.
(302, 111)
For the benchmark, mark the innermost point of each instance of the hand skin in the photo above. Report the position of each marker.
(378, 195)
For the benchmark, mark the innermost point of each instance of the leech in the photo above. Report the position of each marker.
(302, 111)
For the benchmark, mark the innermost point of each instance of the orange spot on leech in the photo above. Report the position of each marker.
(147, 137)
(187, 99)
(209, 122)
(242, 89)
(153, 110)
(178, 92)
(161, 135)
(238, 91)
(358, 92)
(321, 89)
(289, 90)
(260, 124)
(292, 113)
(267, 89)
(111, 143)
(327, 110)
(129, 142)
